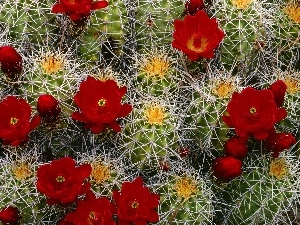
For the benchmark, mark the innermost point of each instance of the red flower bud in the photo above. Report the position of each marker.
(227, 168)
(193, 6)
(183, 152)
(236, 147)
(10, 215)
(11, 61)
(277, 142)
(278, 89)
(48, 108)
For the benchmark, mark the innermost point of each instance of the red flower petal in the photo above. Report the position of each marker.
(115, 126)
(99, 5)
(36, 120)
(59, 8)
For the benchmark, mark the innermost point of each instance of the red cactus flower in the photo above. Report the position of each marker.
(61, 181)
(100, 104)
(193, 6)
(227, 168)
(15, 123)
(135, 203)
(10, 215)
(197, 36)
(78, 9)
(278, 142)
(48, 108)
(236, 147)
(253, 112)
(92, 210)
(10, 61)
(278, 89)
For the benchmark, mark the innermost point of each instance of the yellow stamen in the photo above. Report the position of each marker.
(134, 205)
(155, 115)
(293, 85)
(293, 12)
(185, 187)
(52, 64)
(241, 4)
(155, 66)
(224, 89)
(102, 102)
(252, 110)
(22, 171)
(92, 215)
(278, 168)
(197, 44)
(60, 179)
(13, 121)
(100, 173)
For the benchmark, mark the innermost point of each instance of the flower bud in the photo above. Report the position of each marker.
(227, 168)
(278, 89)
(48, 108)
(10, 215)
(11, 61)
(277, 142)
(193, 6)
(236, 147)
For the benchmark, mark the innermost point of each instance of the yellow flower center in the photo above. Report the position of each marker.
(293, 12)
(224, 89)
(102, 102)
(197, 43)
(185, 187)
(100, 173)
(52, 64)
(60, 179)
(92, 215)
(13, 121)
(252, 110)
(134, 205)
(241, 4)
(155, 66)
(278, 168)
(293, 85)
(22, 171)
(155, 115)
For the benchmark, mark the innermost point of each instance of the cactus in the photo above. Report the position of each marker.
(243, 25)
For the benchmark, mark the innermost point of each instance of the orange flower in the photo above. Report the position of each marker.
(197, 36)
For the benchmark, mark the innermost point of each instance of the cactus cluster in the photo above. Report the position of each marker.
(149, 112)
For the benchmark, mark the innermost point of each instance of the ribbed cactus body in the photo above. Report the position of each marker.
(154, 21)
(50, 75)
(286, 28)
(185, 200)
(103, 34)
(203, 121)
(259, 196)
(147, 144)
(243, 27)
(28, 20)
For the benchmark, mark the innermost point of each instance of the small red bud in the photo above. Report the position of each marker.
(48, 108)
(11, 61)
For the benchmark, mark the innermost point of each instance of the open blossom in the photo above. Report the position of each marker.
(136, 204)
(100, 104)
(227, 167)
(92, 210)
(61, 181)
(253, 112)
(278, 142)
(197, 36)
(78, 9)
(15, 122)
(10, 61)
